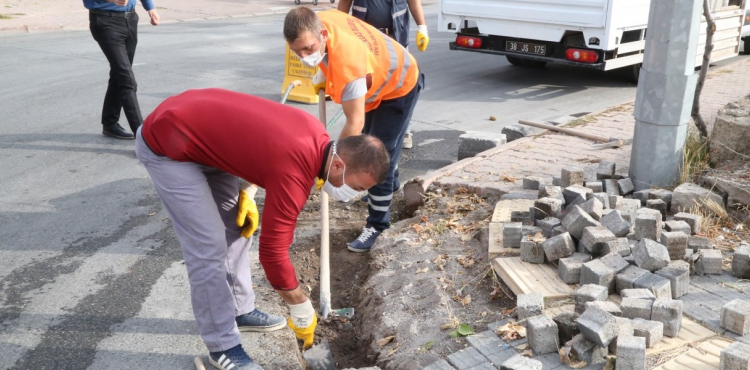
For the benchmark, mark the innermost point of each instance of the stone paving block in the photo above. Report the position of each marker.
(642, 195)
(576, 220)
(668, 312)
(585, 350)
(595, 186)
(567, 326)
(524, 217)
(569, 268)
(589, 293)
(501, 356)
(631, 259)
(615, 223)
(547, 207)
(735, 317)
(631, 353)
(577, 201)
(658, 285)
(659, 205)
(634, 308)
(486, 342)
(626, 279)
(598, 326)
(626, 186)
(533, 183)
(483, 366)
(596, 272)
(614, 200)
(615, 262)
(736, 356)
(519, 362)
(605, 170)
(550, 361)
(603, 197)
(514, 132)
(653, 331)
(557, 230)
(693, 220)
(556, 181)
(593, 207)
(576, 191)
(648, 224)
(699, 242)
(607, 306)
(661, 194)
(624, 329)
(439, 365)
(637, 293)
(528, 305)
(543, 334)
(571, 175)
(466, 358)
(551, 191)
(548, 224)
(709, 261)
(618, 245)
(741, 262)
(530, 230)
(473, 142)
(611, 187)
(512, 234)
(532, 251)
(689, 195)
(593, 238)
(678, 274)
(678, 226)
(650, 255)
(559, 246)
(676, 243)
(629, 209)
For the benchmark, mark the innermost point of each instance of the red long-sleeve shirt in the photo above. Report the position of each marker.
(276, 147)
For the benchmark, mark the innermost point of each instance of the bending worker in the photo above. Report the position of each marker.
(392, 18)
(196, 147)
(376, 81)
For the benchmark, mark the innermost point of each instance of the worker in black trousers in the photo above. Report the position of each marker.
(114, 25)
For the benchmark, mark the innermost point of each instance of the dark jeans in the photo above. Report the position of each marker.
(117, 37)
(389, 122)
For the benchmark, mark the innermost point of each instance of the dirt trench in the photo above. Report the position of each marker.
(426, 275)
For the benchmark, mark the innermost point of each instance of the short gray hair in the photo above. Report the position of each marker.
(299, 20)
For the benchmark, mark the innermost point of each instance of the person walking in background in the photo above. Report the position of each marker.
(114, 26)
(392, 18)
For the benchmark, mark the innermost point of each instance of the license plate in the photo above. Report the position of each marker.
(525, 47)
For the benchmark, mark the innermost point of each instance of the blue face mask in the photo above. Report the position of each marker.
(343, 193)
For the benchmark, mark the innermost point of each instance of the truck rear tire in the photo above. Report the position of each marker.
(633, 72)
(746, 45)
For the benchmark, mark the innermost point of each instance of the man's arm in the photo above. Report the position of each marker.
(294, 296)
(354, 110)
(151, 9)
(415, 7)
(345, 6)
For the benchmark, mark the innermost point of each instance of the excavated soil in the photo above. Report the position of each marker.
(426, 275)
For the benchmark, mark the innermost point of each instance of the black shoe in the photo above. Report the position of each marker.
(116, 131)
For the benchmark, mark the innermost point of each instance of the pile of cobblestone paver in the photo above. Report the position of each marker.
(610, 239)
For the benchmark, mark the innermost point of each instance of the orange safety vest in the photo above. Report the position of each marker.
(355, 49)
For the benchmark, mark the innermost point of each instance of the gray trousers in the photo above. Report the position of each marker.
(202, 203)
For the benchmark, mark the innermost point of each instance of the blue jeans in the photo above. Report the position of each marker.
(389, 122)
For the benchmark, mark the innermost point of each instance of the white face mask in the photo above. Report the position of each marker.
(313, 59)
(343, 193)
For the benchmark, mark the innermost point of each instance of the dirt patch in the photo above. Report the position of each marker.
(426, 275)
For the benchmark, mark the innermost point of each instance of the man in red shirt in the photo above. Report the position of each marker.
(196, 147)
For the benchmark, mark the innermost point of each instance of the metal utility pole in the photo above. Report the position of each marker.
(664, 97)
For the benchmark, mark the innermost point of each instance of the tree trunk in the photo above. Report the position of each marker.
(710, 30)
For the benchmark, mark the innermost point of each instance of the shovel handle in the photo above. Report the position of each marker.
(325, 268)
(566, 131)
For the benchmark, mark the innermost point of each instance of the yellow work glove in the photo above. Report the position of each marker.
(303, 322)
(319, 183)
(247, 211)
(422, 38)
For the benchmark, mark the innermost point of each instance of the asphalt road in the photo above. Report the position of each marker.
(91, 273)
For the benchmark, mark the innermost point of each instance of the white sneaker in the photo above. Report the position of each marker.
(407, 141)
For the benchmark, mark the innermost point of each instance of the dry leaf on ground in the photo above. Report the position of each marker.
(511, 331)
(386, 340)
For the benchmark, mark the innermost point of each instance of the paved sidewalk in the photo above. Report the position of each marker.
(58, 15)
(501, 170)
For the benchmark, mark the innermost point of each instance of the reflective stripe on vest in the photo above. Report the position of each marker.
(359, 8)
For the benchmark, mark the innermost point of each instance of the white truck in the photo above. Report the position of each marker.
(601, 34)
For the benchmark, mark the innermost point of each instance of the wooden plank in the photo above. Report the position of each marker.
(703, 357)
(524, 278)
(503, 208)
(495, 248)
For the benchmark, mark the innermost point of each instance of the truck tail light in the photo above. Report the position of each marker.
(469, 41)
(581, 55)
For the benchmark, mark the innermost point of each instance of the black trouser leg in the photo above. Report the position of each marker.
(118, 37)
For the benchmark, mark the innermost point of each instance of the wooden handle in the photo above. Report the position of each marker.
(566, 131)
(199, 364)
(325, 269)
